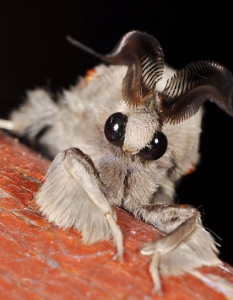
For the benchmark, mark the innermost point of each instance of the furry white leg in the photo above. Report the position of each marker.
(186, 246)
(5, 124)
(74, 196)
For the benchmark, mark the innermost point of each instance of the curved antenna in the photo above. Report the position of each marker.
(143, 56)
(193, 85)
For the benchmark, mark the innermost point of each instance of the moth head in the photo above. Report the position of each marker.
(136, 133)
(141, 131)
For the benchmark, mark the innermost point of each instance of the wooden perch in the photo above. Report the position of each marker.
(38, 260)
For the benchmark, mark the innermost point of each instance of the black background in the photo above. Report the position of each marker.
(34, 52)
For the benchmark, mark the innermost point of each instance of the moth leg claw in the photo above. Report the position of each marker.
(154, 271)
(117, 236)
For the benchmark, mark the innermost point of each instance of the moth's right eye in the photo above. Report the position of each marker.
(114, 129)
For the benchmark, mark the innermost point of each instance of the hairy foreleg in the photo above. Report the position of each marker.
(74, 196)
(186, 244)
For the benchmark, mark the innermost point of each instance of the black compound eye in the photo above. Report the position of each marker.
(156, 149)
(114, 129)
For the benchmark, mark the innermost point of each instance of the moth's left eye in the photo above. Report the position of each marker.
(156, 149)
(114, 129)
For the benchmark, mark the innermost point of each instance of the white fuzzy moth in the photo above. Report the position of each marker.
(123, 138)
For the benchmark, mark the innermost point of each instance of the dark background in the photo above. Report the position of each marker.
(34, 52)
